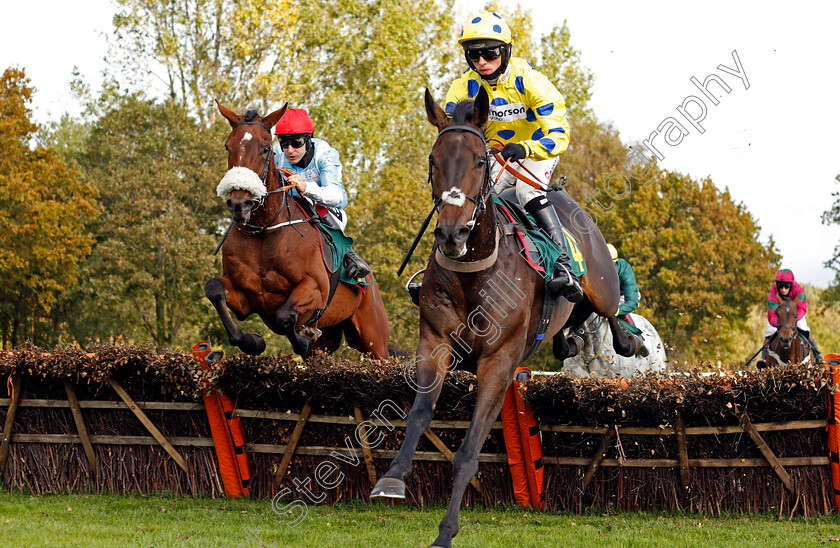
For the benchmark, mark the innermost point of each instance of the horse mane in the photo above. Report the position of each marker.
(251, 115)
(463, 112)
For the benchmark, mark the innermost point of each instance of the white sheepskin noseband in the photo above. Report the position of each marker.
(241, 178)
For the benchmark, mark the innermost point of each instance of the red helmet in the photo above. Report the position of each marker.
(294, 121)
(784, 275)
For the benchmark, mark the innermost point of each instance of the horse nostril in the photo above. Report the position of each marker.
(248, 204)
(463, 233)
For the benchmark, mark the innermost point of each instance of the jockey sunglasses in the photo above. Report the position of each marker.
(489, 54)
(784, 285)
(294, 142)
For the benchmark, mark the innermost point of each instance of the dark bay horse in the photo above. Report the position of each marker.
(787, 346)
(272, 264)
(480, 303)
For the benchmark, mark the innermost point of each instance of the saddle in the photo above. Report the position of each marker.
(536, 248)
(332, 239)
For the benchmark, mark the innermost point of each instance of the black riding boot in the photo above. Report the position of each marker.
(817, 354)
(354, 266)
(563, 282)
(762, 363)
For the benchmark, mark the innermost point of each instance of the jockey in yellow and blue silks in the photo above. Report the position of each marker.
(527, 117)
(316, 175)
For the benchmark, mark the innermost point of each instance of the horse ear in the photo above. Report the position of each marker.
(435, 114)
(481, 108)
(229, 115)
(272, 118)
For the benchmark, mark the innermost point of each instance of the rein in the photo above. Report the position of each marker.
(479, 202)
(796, 336)
(535, 182)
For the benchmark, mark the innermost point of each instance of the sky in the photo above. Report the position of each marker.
(773, 145)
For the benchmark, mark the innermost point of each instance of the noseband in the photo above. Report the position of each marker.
(457, 198)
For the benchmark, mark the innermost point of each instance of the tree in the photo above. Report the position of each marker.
(237, 52)
(832, 217)
(156, 171)
(696, 254)
(43, 207)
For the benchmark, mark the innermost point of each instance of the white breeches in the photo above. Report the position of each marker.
(524, 192)
(802, 325)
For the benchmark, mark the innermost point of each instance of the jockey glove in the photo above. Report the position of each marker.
(513, 152)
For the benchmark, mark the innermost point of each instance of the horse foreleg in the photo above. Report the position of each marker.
(494, 379)
(563, 348)
(221, 293)
(429, 382)
(304, 300)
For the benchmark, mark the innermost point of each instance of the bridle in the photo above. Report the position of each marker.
(788, 304)
(452, 198)
(252, 230)
(583, 331)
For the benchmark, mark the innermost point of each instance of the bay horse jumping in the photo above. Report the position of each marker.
(787, 345)
(272, 263)
(481, 304)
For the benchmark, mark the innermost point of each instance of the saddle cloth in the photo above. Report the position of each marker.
(538, 250)
(332, 239)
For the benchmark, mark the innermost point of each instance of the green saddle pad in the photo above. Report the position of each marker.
(632, 329)
(550, 252)
(337, 244)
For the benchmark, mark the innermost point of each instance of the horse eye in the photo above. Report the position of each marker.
(481, 162)
(266, 150)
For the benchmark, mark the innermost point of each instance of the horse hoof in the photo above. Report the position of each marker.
(252, 344)
(644, 352)
(391, 488)
(575, 343)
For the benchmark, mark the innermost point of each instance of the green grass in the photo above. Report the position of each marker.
(111, 521)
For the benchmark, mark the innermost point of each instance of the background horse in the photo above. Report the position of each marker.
(272, 263)
(480, 303)
(787, 345)
(599, 357)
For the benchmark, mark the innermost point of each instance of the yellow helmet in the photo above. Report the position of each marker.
(613, 252)
(485, 25)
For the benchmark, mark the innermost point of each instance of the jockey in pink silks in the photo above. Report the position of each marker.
(785, 288)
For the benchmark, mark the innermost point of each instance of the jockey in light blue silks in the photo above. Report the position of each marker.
(316, 175)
